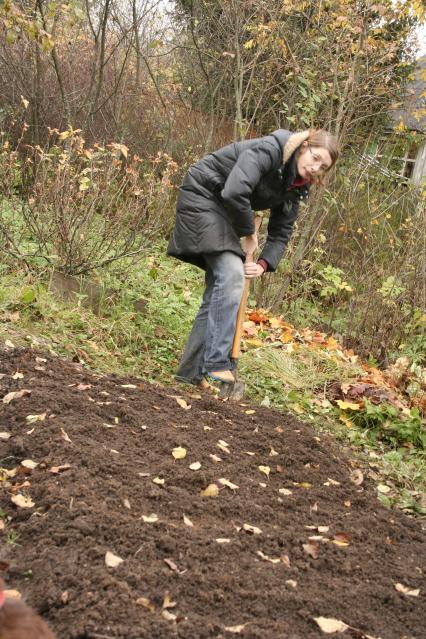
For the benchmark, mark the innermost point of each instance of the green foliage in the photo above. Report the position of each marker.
(333, 281)
(386, 423)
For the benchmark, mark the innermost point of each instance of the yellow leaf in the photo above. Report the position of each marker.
(382, 488)
(297, 408)
(29, 463)
(182, 403)
(179, 452)
(265, 470)
(22, 501)
(347, 405)
(249, 412)
(159, 481)
(212, 490)
(31, 419)
(64, 135)
(253, 341)
(330, 625)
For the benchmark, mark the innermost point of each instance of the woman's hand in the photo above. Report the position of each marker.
(249, 244)
(252, 270)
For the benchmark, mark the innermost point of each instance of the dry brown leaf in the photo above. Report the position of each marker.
(212, 490)
(57, 469)
(223, 446)
(273, 452)
(21, 501)
(18, 375)
(330, 625)
(167, 602)
(15, 395)
(406, 590)
(291, 582)
(216, 458)
(252, 529)
(357, 477)
(5, 435)
(179, 452)
(171, 564)
(182, 403)
(285, 559)
(111, 560)
(312, 549)
(31, 419)
(126, 504)
(169, 616)
(342, 539)
(83, 387)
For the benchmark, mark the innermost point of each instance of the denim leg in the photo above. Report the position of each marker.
(191, 367)
(228, 281)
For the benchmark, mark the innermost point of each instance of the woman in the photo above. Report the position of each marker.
(215, 230)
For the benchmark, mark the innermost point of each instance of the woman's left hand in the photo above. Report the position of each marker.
(252, 270)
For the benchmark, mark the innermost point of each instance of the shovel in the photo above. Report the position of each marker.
(235, 390)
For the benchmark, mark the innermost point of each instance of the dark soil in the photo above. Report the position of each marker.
(58, 560)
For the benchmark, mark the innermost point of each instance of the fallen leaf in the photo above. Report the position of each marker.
(57, 469)
(250, 453)
(382, 488)
(285, 559)
(212, 490)
(167, 602)
(64, 597)
(342, 539)
(128, 386)
(229, 484)
(126, 504)
(265, 470)
(31, 419)
(159, 481)
(12, 594)
(312, 549)
(5, 435)
(347, 405)
(40, 360)
(9, 344)
(182, 403)
(223, 446)
(179, 452)
(15, 395)
(111, 560)
(273, 453)
(216, 458)
(323, 529)
(22, 501)
(18, 375)
(223, 540)
(29, 463)
(169, 616)
(65, 436)
(187, 521)
(406, 590)
(285, 491)
(150, 519)
(357, 477)
(252, 529)
(291, 582)
(83, 387)
(249, 412)
(331, 482)
(171, 564)
(235, 629)
(267, 558)
(330, 625)
(347, 503)
(195, 466)
(146, 603)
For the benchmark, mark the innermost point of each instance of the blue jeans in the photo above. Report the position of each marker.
(210, 341)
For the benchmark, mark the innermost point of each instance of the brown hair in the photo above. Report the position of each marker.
(326, 140)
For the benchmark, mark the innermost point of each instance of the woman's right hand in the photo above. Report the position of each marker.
(249, 244)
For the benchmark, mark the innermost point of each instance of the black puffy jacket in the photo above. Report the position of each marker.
(220, 192)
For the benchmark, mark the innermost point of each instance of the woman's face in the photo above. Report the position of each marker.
(312, 161)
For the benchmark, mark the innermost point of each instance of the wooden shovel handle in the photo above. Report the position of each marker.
(236, 344)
